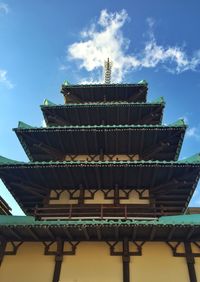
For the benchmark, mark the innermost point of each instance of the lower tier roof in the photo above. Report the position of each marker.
(30, 183)
(166, 228)
(154, 142)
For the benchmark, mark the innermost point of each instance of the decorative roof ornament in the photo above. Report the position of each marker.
(66, 83)
(144, 82)
(107, 71)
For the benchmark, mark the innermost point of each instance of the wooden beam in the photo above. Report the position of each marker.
(126, 260)
(99, 235)
(58, 261)
(69, 98)
(69, 235)
(2, 250)
(153, 232)
(190, 262)
(50, 151)
(57, 120)
(116, 195)
(87, 237)
(191, 231)
(171, 233)
(81, 195)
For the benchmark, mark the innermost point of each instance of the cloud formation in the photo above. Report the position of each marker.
(104, 39)
(4, 80)
(193, 132)
(4, 8)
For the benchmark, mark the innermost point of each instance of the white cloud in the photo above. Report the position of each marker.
(4, 8)
(4, 80)
(193, 132)
(43, 123)
(105, 39)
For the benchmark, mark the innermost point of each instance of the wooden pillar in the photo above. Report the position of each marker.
(101, 157)
(58, 261)
(116, 195)
(81, 195)
(2, 250)
(190, 262)
(126, 261)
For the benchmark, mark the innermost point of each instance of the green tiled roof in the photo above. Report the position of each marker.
(179, 123)
(48, 103)
(194, 160)
(140, 83)
(4, 160)
(143, 82)
(6, 220)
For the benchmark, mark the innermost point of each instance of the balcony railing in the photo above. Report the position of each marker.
(103, 211)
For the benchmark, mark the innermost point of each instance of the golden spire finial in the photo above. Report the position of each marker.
(107, 71)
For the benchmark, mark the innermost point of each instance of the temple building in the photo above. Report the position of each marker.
(105, 195)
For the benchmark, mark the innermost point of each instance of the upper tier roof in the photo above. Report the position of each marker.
(170, 184)
(103, 92)
(103, 113)
(156, 142)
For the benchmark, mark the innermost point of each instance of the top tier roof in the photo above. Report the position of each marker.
(102, 92)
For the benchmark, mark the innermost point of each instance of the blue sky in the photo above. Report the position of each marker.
(43, 43)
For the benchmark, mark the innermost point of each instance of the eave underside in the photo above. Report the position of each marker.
(102, 92)
(94, 230)
(159, 143)
(30, 184)
(107, 113)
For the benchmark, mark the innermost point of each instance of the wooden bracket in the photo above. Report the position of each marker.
(188, 254)
(48, 252)
(15, 246)
(57, 196)
(175, 246)
(138, 246)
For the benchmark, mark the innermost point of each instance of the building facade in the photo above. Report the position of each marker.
(104, 193)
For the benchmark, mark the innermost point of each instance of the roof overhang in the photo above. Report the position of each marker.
(30, 183)
(106, 113)
(103, 92)
(153, 142)
(174, 228)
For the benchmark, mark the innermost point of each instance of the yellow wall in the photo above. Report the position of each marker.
(195, 249)
(93, 263)
(106, 158)
(29, 265)
(158, 265)
(99, 198)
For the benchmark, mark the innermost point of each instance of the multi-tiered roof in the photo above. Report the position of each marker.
(104, 138)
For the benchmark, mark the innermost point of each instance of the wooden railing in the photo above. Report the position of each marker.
(103, 211)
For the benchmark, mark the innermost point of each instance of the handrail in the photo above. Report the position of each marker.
(102, 211)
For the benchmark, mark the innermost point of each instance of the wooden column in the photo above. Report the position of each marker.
(190, 262)
(58, 261)
(126, 261)
(81, 195)
(2, 250)
(116, 195)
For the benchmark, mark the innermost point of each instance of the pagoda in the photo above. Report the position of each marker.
(105, 195)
